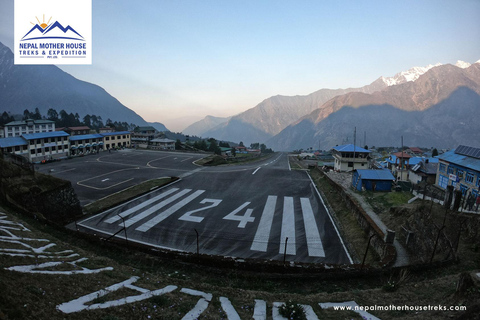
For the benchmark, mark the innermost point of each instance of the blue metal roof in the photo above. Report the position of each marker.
(114, 133)
(461, 160)
(40, 135)
(350, 148)
(12, 142)
(86, 136)
(375, 174)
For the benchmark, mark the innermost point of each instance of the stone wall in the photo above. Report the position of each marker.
(385, 250)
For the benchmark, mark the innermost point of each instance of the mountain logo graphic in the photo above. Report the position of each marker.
(52, 31)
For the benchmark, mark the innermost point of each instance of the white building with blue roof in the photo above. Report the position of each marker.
(47, 145)
(460, 168)
(349, 157)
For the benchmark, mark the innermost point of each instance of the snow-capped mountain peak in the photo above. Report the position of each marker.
(409, 75)
(462, 64)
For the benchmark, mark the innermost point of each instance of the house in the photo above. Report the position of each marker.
(350, 157)
(241, 149)
(423, 170)
(75, 131)
(460, 168)
(162, 144)
(29, 126)
(414, 151)
(372, 180)
(399, 164)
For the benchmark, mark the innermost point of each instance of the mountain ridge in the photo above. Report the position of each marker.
(47, 86)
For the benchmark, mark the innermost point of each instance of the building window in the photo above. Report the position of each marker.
(460, 173)
(469, 177)
(350, 164)
(60, 148)
(478, 181)
(442, 167)
(39, 150)
(442, 181)
(54, 148)
(47, 149)
(32, 142)
(450, 170)
(463, 188)
(32, 151)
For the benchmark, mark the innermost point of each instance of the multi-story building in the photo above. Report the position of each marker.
(47, 145)
(29, 126)
(350, 157)
(460, 168)
(118, 139)
(86, 144)
(141, 136)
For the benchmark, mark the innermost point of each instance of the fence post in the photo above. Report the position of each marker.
(285, 251)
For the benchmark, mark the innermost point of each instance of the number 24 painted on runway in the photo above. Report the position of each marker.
(234, 216)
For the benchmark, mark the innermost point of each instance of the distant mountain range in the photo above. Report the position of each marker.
(46, 86)
(382, 110)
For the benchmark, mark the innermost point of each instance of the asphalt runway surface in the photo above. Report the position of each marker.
(259, 210)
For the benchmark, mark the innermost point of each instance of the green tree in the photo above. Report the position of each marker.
(36, 115)
(26, 114)
(435, 152)
(52, 115)
(178, 145)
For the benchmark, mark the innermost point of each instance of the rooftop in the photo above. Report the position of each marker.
(461, 160)
(41, 135)
(86, 136)
(350, 148)
(382, 174)
(12, 142)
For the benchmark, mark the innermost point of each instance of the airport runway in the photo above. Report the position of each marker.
(259, 210)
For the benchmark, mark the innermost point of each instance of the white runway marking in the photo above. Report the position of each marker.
(167, 213)
(260, 242)
(156, 207)
(314, 243)
(288, 227)
(256, 170)
(140, 206)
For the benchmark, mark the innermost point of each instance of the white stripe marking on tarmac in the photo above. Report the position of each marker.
(156, 207)
(314, 243)
(167, 213)
(260, 242)
(288, 227)
(140, 206)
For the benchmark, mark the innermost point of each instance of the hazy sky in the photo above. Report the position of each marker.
(176, 59)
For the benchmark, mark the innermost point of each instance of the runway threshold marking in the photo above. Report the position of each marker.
(140, 206)
(288, 227)
(314, 243)
(167, 213)
(156, 207)
(260, 242)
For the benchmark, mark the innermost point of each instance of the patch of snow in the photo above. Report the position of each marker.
(409, 75)
(462, 64)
